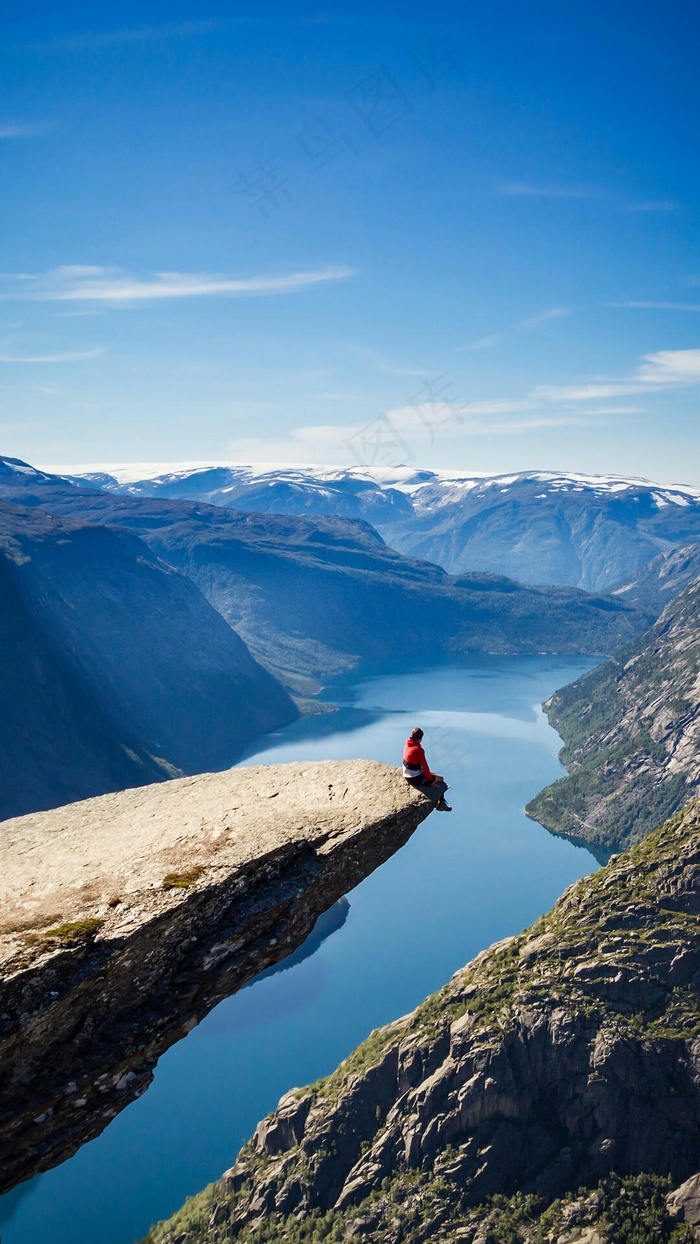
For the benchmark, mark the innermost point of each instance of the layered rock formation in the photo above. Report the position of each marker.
(567, 1055)
(115, 670)
(125, 919)
(631, 730)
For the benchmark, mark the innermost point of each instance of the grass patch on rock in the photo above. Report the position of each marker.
(181, 881)
(73, 932)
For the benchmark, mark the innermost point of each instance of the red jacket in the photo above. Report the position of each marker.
(414, 757)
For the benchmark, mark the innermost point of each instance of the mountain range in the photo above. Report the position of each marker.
(313, 597)
(542, 527)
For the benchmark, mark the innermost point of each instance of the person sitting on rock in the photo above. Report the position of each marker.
(417, 772)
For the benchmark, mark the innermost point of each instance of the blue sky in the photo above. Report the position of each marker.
(247, 232)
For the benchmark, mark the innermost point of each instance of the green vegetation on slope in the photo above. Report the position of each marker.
(631, 730)
(402, 1141)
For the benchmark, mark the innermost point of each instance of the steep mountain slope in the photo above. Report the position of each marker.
(565, 1055)
(661, 579)
(313, 597)
(592, 532)
(56, 743)
(118, 671)
(631, 730)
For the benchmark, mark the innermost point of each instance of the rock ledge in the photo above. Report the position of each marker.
(126, 918)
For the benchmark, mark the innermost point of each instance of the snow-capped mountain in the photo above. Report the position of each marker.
(591, 531)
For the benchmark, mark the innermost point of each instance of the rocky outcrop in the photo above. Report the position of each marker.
(564, 1056)
(664, 577)
(114, 669)
(125, 919)
(631, 730)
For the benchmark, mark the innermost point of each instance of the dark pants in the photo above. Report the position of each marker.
(434, 791)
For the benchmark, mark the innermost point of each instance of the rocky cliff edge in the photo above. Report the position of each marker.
(125, 919)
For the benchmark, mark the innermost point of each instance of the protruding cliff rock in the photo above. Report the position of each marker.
(125, 919)
(631, 730)
(567, 1055)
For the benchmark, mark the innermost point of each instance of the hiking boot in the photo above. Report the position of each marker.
(442, 806)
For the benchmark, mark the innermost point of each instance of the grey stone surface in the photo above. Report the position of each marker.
(126, 918)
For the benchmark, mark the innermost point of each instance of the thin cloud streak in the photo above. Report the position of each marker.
(659, 306)
(544, 317)
(524, 190)
(9, 131)
(483, 343)
(77, 356)
(108, 285)
(92, 41)
(654, 205)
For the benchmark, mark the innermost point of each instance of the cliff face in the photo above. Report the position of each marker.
(125, 919)
(631, 730)
(117, 670)
(555, 1059)
(661, 579)
(57, 744)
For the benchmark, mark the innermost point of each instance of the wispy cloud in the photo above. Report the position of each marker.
(653, 205)
(9, 130)
(76, 356)
(525, 190)
(392, 370)
(671, 367)
(532, 321)
(330, 396)
(647, 305)
(484, 343)
(662, 368)
(77, 283)
(544, 317)
(545, 407)
(586, 392)
(93, 41)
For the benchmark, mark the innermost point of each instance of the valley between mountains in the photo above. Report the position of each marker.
(176, 632)
(550, 1092)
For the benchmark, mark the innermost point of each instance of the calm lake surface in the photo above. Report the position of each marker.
(463, 881)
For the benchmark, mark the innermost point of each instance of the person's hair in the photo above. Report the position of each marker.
(416, 733)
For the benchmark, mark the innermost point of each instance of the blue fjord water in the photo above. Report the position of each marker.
(463, 881)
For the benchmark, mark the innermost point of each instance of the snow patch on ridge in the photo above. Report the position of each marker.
(408, 480)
